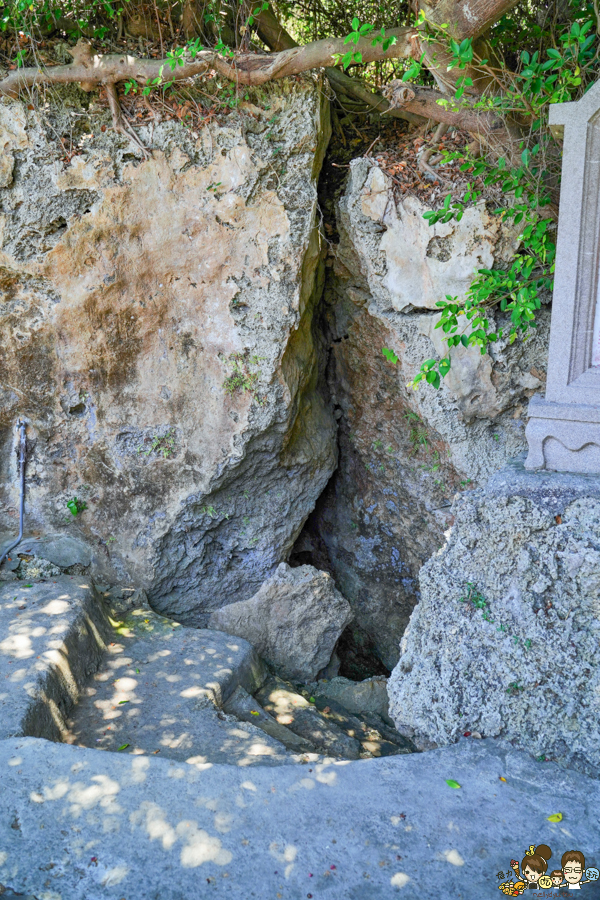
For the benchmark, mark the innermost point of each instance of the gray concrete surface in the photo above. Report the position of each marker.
(551, 491)
(160, 689)
(52, 637)
(76, 824)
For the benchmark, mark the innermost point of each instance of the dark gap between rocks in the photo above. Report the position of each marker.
(358, 658)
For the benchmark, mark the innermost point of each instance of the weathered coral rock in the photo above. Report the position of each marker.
(293, 621)
(405, 453)
(505, 639)
(422, 263)
(156, 322)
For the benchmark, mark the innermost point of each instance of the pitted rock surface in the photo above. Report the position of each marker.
(293, 621)
(157, 335)
(519, 657)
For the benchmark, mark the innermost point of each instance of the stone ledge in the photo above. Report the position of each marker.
(552, 491)
(53, 635)
(101, 826)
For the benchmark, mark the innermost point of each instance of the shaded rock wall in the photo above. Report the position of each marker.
(405, 453)
(156, 321)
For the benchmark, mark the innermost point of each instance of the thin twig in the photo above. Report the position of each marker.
(162, 49)
(371, 145)
(424, 155)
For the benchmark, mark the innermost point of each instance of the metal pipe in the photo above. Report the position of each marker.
(22, 458)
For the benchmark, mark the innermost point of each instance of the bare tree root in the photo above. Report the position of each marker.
(415, 104)
(337, 127)
(120, 123)
(278, 39)
(350, 87)
(427, 152)
(499, 135)
(243, 68)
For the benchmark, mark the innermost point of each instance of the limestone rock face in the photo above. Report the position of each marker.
(505, 639)
(293, 621)
(421, 263)
(156, 333)
(405, 453)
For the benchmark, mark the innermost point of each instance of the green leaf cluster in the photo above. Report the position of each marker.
(76, 507)
(517, 291)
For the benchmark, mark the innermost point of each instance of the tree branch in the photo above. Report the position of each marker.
(277, 38)
(495, 132)
(243, 68)
(468, 19)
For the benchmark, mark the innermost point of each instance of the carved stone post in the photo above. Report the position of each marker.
(563, 432)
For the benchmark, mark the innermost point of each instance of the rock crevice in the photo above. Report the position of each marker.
(403, 454)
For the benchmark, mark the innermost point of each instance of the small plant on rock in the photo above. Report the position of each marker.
(161, 444)
(76, 507)
(242, 378)
(418, 435)
(474, 597)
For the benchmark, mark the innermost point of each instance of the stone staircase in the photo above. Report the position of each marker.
(220, 779)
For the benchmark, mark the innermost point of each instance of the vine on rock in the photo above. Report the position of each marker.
(531, 189)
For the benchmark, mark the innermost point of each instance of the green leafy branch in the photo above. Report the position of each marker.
(517, 290)
(361, 31)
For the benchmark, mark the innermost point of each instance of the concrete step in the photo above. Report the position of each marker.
(52, 638)
(290, 708)
(71, 670)
(160, 690)
(78, 824)
(248, 709)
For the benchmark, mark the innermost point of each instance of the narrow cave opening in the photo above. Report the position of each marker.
(355, 656)
(359, 531)
(355, 649)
